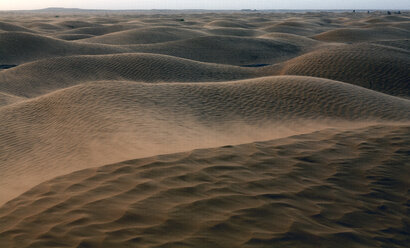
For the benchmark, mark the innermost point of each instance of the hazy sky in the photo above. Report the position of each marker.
(206, 4)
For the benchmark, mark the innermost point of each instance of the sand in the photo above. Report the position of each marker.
(201, 129)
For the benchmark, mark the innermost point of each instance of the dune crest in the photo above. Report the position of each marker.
(123, 120)
(206, 197)
(380, 68)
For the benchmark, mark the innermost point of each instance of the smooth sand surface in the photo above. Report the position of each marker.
(237, 129)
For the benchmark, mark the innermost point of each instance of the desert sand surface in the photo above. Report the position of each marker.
(204, 129)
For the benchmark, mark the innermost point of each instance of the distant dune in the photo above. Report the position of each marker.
(381, 68)
(146, 36)
(21, 47)
(170, 128)
(232, 50)
(234, 31)
(295, 27)
(43, 76)
(4, 26)
(100, 30)
(360, 34)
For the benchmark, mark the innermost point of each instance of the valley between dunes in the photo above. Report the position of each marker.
(201, 129)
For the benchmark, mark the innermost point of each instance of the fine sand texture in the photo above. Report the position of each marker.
(204, 129)
(328, 188)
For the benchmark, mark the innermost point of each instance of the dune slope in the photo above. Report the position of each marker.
(103, 122)
(327, 188)
(226, 49)
(145, 36)
(22, 47)
(362, 34)
(39, 77)
(377, 67)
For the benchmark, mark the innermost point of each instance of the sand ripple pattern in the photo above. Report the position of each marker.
(330, 188)
(108, 121)
(377, 67)
(44, 76)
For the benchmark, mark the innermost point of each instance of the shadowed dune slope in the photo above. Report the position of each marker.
(104, 122)
(6, 98)
(403, 44)
(43, 26)
(5, 26)
(303, 42)
(403, 25)
(75, 24)
(73, 36)
(146, 36)
(20, 47)
(360, 35)
(380, 68)
(226, 49)
(324, 189)
(228, 24)
(39, 77)
(295, 27)
(387, 19)
(95, 31)
(234, 32)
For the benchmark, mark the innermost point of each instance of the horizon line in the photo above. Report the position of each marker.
(242, 9)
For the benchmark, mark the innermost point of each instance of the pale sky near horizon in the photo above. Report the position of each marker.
(205, 4)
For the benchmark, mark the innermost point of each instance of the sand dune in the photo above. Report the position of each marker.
(403, 25)
(74, 24)
(309, 113)
(146, 36)
(387, 19)
(73, 36)
(403, 44)
(85, 122)
(21, 47)
(351, 191)
(44, 26)
(381, 68)
(4, 26)
(234, 32)
(6, 98)
(360, 35)
(214, 49)
(295, 27)
(40, 77)
(228, 24)
(102, 30)
(305, 43)
(226, 50)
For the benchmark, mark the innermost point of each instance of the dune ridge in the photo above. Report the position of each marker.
(145, 36)
(360, 35)
(253, 189)
(143, 119)
(22, 47)
(380, 68)
(5, 26)
(40, 77)
(231, 50)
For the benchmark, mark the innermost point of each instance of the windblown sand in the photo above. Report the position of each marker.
(237, 129)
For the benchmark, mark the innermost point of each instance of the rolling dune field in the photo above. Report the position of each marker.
(204, 129)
